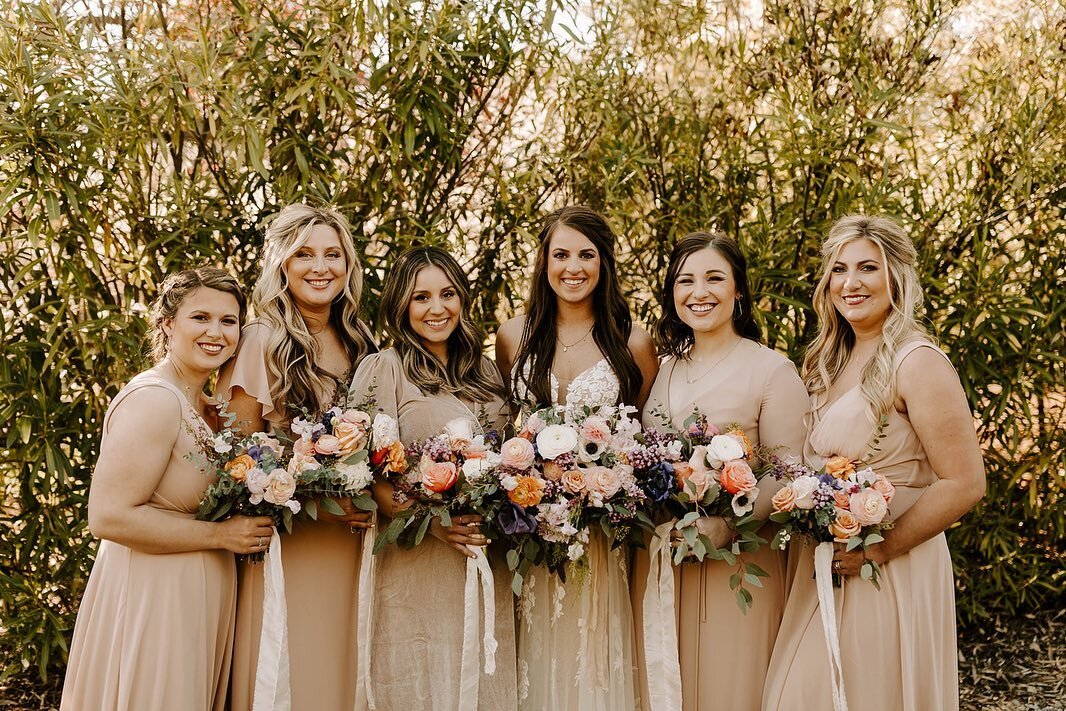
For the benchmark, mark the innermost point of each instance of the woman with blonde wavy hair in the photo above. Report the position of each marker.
(881, 393)
(434, 375)
(295, 360)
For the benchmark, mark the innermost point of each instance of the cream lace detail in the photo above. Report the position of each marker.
(595, 386)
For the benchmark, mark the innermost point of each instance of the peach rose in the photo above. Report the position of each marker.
(736, 477)
(869, 506)
(603, 480)
(682, 470)
(239, 467)
(528, 491)
(845, 526)
(842, 499)
(886, 488)
(280, 486)
(350, 435)
(839, 467)
(784, 499)
(574, 481)
(304, 445)
(356, 417)
(553, 471)
(517, 453)
(438, 476)
(328, 445)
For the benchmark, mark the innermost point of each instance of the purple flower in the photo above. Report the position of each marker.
(514, 520)
(256, 452)
(658, 482)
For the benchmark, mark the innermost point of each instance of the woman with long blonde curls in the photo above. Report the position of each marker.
(296, 358)
(873, 374)
(434, 375)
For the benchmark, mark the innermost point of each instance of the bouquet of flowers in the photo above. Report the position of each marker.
(252, 479)
(450, 473)
(843, 502)
(566, 473)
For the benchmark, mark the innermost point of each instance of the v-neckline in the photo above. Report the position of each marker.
(555, 381)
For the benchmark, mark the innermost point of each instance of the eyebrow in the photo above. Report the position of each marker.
(860, 262)
(709, 271)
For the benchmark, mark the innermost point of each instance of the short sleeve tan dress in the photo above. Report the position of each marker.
(724, 653)
(897, 645)
(321, 566)
(156, 631)
(417, 633)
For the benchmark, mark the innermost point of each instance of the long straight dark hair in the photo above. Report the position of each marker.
(613, 322)
(672, 335)
(468, 373)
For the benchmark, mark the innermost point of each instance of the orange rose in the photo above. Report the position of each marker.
(842, 500)
(528, 491)
(390, 459)
(350, 435)
(438, 476)
(574, 481)
(784, 499)
(839, 467)
(682, 470)
(238, 468)
(845, 526)
(553, 471)
(737, 477)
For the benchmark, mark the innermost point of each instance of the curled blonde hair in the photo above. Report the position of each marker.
(829, 352)
(291, 349)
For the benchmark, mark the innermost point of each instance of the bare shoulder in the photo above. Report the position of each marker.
(641, 343)
(926, 367)
(154, 410)
(511, 330)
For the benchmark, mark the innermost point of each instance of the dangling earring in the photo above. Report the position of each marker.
(738, 309)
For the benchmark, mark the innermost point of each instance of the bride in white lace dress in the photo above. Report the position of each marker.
(576, 346)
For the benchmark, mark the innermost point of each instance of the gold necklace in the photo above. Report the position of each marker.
(568, 346)
(688, 362)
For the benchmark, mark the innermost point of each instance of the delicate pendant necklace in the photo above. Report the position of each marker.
(568, 346)
(688, 363)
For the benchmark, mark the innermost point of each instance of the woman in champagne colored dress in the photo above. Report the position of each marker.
(871, 360)
(155, 627)
(297, 356)
(434, 374)
(717, 364)
(576, 346)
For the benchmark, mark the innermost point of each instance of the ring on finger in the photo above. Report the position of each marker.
(836, 565)
(259, 542)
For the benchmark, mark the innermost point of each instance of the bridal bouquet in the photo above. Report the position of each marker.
(565, 474)
(450, 473)
(843, 502)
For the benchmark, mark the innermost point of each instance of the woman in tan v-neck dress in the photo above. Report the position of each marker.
(716, 364)
(295, 359)
(434, 373)
(897, 644)
(155, 626)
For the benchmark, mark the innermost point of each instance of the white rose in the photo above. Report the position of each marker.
(723, 448)
(805, 486)
(556, 440)
(256, 481)
(474, 469)
(356, 476)
(386, 431)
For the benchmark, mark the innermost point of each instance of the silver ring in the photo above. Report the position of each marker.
(259, 542)
(836, 565)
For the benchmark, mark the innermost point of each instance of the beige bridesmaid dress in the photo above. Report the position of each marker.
(724, 653)
(898, 645)
(321, 566)
(156, 631)
(417, 629)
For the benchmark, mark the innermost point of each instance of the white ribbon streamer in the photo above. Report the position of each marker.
(660, 626)
(364, 694)
(272, 691)
(470, 668)
(823, 577)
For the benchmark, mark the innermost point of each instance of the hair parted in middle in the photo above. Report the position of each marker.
(673, 336)
(613, 322)
(291, 349)
(468, 373)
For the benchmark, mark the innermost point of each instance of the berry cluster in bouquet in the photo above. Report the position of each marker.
(713, 473)
(842, 502)
(252, 479)
(450, 473)
(566, 474)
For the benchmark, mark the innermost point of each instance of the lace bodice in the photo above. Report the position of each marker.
(595, 386)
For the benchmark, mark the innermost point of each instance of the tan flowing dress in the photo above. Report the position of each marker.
(155, 631)
(321, 566)
(724, 653)
(898, 646)
(417, 629)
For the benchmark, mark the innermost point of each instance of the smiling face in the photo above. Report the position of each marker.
(858, 285)
(573, 265)
(316, 271)
(434, 310)
(705, 292)
(204, 331)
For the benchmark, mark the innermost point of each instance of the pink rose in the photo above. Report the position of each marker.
(595, 429)
(303, 446)
(517, 453)
(356, 417)
(574, 481)
(603, 480)
(438, 476)
(842, 500)
(702, 479)
(886, 488)
(328, 445)
(869, 506)
(736, 477)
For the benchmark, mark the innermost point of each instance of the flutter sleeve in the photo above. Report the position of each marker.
(377, 381)
(247, 370)
(784, 407)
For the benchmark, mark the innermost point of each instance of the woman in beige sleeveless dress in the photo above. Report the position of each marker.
(434, 374)
(155, 626)
(717, 364)
(872, 360)
(576, 346)
(296, 357)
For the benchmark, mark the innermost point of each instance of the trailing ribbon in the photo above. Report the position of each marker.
(272, 691)
(364, 694)
(477, 569)
(660, 626)
(823, 577)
